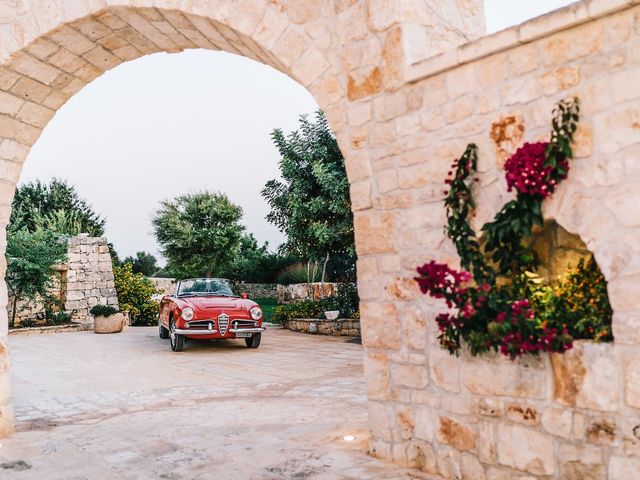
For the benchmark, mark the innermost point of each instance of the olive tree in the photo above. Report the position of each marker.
(198, 233)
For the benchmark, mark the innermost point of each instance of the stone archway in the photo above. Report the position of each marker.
(343, 52)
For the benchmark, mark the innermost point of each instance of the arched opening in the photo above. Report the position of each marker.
(39, 80)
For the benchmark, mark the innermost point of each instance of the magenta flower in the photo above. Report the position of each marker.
(527, 173)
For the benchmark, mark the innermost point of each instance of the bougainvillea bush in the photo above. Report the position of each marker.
(496, 301)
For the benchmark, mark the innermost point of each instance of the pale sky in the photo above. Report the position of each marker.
(164, 125)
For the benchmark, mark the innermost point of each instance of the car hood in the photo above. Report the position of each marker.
(210, 303)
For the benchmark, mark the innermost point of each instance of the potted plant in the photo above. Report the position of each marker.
(107, 319)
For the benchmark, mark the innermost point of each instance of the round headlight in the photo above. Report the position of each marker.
(187, 313)
(256, 313)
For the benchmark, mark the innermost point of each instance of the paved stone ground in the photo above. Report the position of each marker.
(125, 407)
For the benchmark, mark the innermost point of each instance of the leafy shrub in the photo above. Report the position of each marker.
(103, 310)
(296, 273)
(346, 301)
(135, 294)
(300, 309)
(577, 302)
(54, 313)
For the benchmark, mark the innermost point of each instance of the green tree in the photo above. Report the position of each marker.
(135, 295)
(54, 206)
(254, 263)
(311, 203)
(198, 233)
(30, 257)
(144, 263)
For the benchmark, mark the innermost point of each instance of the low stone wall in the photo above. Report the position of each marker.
(164, 286)
(84, 281)
(300, 291)
(256, 290)
(340, 327)
(283, 293)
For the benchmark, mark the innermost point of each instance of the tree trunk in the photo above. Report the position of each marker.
(13, 313)
(324, 271)
(309, 289)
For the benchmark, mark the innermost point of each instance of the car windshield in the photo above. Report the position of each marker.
(205, 286)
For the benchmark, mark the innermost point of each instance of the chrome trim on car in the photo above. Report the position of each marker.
(249, 330)
(185, 331)
(223, 323)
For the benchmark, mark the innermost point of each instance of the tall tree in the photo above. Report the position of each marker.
(311, 203)
(199, 233)
(54, 206)
(144, 263)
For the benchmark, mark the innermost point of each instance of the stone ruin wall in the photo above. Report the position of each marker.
(89, 279)
(85, 280)
(574, 416)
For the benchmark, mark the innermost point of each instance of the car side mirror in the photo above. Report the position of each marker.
(244, 295)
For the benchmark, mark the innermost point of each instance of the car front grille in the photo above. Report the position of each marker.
(202, 324)
(244, 324)
(223, 323)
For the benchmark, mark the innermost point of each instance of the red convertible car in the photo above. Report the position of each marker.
(206, 308)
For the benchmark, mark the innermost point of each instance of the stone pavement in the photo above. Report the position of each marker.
(125, 407)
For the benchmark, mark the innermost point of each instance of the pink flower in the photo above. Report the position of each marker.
(526, 171)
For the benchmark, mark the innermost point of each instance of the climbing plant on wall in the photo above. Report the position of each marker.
(497, 302)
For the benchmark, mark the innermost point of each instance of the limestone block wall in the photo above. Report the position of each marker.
(165, 286)
(300, 291)
(257, 290)
(85, 280)
(339, 327)
(401, 115)
(571, 416)
(89, 276)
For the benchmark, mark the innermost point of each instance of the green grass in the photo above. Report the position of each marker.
(267, 305)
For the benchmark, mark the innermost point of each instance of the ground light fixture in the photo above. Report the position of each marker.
(349, 438)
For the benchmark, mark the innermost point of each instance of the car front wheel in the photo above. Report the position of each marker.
(163, 332)
(253, 341)
(176, 340)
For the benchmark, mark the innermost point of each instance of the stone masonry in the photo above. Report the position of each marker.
(89, 279)
(85, 280)
(406, 84)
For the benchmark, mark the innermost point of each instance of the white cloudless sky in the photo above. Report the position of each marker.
(165, 125)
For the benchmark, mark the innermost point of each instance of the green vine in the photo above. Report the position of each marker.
(459, 204)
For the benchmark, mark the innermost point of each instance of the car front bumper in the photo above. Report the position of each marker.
(190, 331)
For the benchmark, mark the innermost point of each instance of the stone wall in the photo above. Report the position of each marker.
(85, 280)
(571, 416)
(401, 115)
(256, 290)
(340, 327)
(300, 291)
(164, 286)
(283, 293)
(89, 276)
